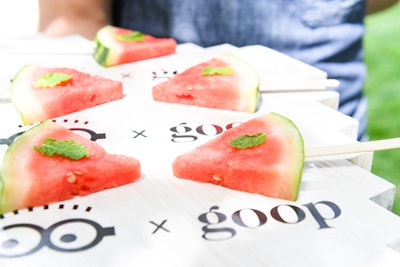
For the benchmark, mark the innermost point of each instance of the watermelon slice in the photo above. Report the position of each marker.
(40, 93)
(30, 178)
(116, 46)
(267, 158)
(224, 82)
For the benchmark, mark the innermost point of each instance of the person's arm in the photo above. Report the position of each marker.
(65, 17)
(374, 6)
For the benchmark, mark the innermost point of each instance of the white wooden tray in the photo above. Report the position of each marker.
(340, 219)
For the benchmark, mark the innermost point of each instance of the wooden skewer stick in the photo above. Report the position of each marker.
(270, 86)
(353, 148)
(277, 86)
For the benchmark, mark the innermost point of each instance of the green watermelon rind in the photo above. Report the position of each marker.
(5, 175)
(297, 139)
(251, 91)
(103, 54)
(21, 97)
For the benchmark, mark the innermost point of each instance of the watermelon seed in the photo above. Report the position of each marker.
(71, 178)
(217, 178)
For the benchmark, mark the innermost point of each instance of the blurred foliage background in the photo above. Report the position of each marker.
(382, 89)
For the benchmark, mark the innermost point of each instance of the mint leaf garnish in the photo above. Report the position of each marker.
(53, 79)
(247, 141)
(67, 148)
(132, 36)
(216, 71)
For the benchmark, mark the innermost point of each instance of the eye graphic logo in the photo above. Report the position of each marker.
(92, 135)
(70, 235)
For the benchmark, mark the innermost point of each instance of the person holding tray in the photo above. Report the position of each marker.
(326, 34)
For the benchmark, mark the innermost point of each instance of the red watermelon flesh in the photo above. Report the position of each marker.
(30, 179)
(237, 91)
(83, 91)
(111, 51)
(273, 168)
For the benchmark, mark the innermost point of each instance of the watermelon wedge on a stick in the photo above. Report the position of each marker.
(224, 82)
(41, 93)
(264, 155)
(49, 163)
(115, 46)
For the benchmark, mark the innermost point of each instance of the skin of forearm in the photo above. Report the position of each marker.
(65, 17)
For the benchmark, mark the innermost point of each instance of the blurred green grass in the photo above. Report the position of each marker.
(382, 89)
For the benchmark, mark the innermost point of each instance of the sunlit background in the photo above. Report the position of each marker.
(18, 18)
